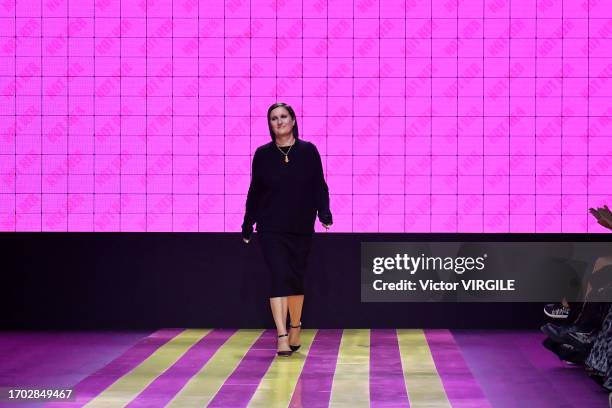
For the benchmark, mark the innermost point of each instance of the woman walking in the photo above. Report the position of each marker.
(286, 193)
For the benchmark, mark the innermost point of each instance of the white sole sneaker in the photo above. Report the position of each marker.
(555, 316)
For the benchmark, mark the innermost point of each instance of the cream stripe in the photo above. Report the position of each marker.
(122, 391)
(203, 386)
(276, 387)
(351, 386)
(424, 386)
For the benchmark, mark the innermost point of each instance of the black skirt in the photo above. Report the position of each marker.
(286, 256)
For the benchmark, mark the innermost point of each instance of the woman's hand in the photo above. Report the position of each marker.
(603, 216)
(247, 232)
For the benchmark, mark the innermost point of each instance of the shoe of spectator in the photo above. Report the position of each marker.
(565, 352)
(553, 331)
(568, 335)
(579, 339)
(556, 311)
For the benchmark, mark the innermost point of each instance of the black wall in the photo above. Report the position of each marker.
(153, 280)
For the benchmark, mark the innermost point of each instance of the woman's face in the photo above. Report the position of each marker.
(281, 121)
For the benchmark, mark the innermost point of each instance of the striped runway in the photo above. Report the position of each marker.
(334, 368)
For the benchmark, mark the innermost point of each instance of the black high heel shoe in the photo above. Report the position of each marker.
(284, 353)
(295, 348)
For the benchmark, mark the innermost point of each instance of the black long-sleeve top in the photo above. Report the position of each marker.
(286, 196)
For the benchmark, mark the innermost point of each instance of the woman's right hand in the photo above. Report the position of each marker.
(603, 216)
(247, 231)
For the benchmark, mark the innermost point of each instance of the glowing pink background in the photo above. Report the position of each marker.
(441, 116)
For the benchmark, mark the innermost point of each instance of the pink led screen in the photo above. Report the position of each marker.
(430, 116)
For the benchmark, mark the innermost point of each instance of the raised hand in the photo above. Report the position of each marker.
(603, 215)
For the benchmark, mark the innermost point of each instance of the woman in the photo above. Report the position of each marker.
(287, 191)
(603, 215)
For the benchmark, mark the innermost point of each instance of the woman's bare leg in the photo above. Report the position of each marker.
(295, 304)
(602, 262)
(279, 313)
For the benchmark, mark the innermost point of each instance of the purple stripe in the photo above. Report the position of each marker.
(36, 356)
(57, 359)
(459, 383)
(570, 382)
(240, 386)
(313, 388)
(165, 387)
(93, 385)
(387, 385)
(518, 381)
(531, 373)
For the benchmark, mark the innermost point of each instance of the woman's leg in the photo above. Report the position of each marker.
(279, 313)
(602, 262)
(596, 278)
(592, 313)
(295, 303)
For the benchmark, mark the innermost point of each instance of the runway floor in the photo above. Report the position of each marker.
(338, 368)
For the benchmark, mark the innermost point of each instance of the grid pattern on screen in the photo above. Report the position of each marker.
(430, 116)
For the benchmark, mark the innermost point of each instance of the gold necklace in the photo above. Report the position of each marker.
(288, 150)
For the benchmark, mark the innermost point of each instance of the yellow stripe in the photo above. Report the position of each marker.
(276, 387)
(122, 391)
(203, 386)
(351, 386)
(423, 382)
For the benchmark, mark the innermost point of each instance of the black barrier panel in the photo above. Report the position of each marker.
(486, 271)
(152, 280)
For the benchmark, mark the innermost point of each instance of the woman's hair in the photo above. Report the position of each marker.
(296, 133)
